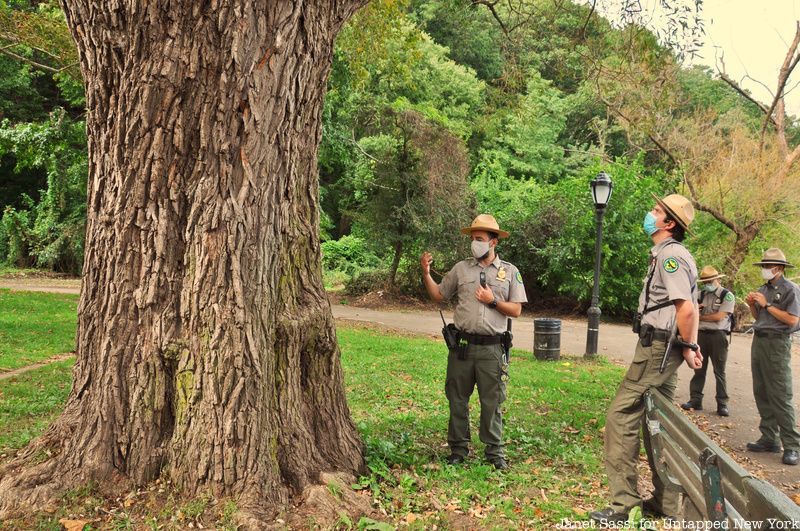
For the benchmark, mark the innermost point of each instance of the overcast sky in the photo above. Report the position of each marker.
(753, 35)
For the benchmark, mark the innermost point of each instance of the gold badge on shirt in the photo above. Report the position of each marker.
(501, 274)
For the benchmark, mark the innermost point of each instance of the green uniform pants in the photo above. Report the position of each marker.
(485, 366)
(714, 347)
(624, 419)
(772, 387)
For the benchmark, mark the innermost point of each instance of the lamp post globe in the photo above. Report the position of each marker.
(602, 187)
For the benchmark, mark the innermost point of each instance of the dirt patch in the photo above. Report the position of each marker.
(380, 300)
(330, 505)
(376, 327)
(4, 375)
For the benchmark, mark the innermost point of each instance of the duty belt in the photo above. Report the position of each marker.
(477, 339)
(658, 334)
(712, 331)
(764, 333)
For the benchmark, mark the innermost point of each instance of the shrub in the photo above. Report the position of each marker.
(349, 254)
(367, 281)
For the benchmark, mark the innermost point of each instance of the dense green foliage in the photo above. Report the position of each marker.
(436, 110)
(43, 166)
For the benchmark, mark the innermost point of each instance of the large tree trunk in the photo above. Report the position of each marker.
(206, 347)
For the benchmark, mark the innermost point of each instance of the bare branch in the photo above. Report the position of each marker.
(658, 143)
(522, 17)
(718, 215)
(490, 5)
(356, 144)
(759, 82)
(735, 86)
(5, 50)
(789, 91)
(588, 18)
(789, 63)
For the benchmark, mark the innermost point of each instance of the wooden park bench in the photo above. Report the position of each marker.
(715, 487)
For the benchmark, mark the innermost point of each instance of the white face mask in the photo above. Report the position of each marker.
(480, 249)
(767, 273)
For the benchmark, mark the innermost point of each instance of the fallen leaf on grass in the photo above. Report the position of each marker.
(73, 525)
(477, 512)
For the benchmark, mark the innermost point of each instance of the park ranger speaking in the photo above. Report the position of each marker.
(666, 323)
(490, 291)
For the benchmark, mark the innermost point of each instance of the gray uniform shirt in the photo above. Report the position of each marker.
(784, 295)
(714, 302)
(471, 315)
(674, 277)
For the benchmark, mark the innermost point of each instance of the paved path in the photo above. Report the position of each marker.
(50, 285)
(616, 342)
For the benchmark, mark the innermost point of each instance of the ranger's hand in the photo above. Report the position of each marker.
(425, 261)
(694, 359)
(759, 298)
(485, 295)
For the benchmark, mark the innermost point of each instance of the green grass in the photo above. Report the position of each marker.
(553, 415)
(395, 389)
(29, 402)
(35, 326)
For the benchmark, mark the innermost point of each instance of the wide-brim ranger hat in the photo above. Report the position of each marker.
(678, 207)
(773, 256)
(485, 222)
(708, 273)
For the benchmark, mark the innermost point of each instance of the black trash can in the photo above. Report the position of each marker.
(547, 339)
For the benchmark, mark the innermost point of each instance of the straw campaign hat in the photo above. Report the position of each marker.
(708, 273)
(678, 207)
(485, 222)
(773, 256)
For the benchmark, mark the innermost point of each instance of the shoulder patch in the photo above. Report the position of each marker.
(671, 265)
(729, 297)
(518, 276)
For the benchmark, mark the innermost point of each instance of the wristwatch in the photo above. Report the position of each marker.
(767, 305)
(685, 344)
(493, 304)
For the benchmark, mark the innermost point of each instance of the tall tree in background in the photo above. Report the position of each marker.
(414, 186)
(206, 346)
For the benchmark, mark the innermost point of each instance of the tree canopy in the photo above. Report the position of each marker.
(439, 109)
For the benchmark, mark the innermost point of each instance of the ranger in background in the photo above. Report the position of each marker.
(776, 309)
(716, 308)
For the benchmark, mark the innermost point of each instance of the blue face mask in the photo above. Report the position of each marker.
(649, 224)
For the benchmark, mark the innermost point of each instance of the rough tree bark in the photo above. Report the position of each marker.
(206, 347)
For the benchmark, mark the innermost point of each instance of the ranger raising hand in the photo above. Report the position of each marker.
(489, 292)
